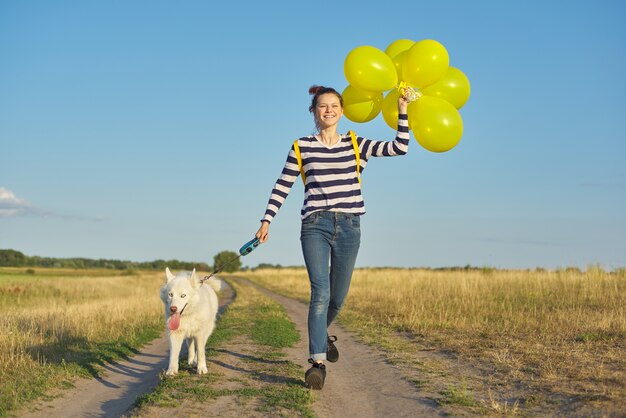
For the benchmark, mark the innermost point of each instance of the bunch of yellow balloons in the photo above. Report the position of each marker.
(425, 66)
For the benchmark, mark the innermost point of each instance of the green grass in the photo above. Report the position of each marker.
(457, 395)
(275, 384)
(270, 328)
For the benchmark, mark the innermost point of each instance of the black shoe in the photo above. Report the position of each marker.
(315, 376)
(332, 354)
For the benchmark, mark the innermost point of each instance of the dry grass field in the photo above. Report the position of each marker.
(475, 341)
(533, 341)
(59, 324)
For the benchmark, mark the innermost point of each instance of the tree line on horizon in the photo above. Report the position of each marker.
(13, 258)
(226, 259)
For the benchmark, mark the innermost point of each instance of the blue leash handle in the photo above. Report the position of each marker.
(249, 246)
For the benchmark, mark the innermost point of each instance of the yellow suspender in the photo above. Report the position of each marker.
(355, 145)
(296, 149)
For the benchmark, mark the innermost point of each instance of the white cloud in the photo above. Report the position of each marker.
(11, 205)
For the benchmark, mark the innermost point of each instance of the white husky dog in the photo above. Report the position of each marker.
(190, 312)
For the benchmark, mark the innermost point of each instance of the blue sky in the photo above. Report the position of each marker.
(142, 130)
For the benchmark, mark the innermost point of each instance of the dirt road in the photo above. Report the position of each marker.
(360, 384)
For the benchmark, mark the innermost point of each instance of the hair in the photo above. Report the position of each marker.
(317, 91)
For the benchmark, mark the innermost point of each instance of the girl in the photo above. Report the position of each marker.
(330, 233)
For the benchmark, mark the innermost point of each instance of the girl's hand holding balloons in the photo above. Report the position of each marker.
(403, 102)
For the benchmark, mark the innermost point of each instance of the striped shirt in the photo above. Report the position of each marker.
(331, 178)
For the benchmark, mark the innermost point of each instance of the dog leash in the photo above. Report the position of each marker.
(246, 249)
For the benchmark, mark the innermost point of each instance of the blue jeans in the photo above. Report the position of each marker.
(330, 244)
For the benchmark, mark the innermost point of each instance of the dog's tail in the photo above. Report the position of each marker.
(215, 283)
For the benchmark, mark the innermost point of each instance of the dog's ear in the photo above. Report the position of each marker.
(168, 274)
(195, 282)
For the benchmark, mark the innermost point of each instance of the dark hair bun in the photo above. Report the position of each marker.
(314, 89)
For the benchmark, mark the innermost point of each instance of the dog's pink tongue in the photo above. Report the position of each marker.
(174, 322)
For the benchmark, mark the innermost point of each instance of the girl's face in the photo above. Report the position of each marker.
(328, 110)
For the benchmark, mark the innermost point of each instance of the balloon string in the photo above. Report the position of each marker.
(409, 92)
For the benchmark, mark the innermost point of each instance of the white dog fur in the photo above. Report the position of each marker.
(190, 312)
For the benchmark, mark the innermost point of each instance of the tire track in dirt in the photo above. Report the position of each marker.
(361, 384)
(115, 392)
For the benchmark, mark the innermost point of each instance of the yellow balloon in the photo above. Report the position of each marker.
(398, 46)
(360, 105)
(397, 52)
(454, 87)
(437, 125)
(390, 108)
(368, 68)
(425, 63)
(398, 62)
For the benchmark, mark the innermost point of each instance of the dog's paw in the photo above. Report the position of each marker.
(202, 370)
(171, 372)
